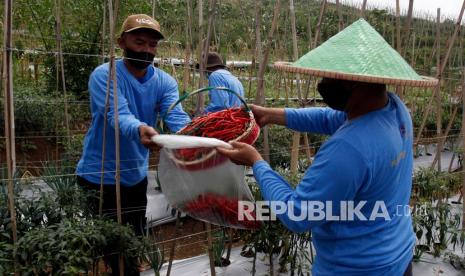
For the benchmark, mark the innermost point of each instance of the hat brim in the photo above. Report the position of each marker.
(288, 67)
(197, 66)
(159, 34)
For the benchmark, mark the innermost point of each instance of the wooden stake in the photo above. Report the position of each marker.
(112, 18)
(104, 23)
(440, 71)
(318, 25)
(260, 97)
(210, 249)
(463, 129)
(407, 26)
(173, 245)
(340, 23)
(62, 70)
(8, 109)
(296, 135)
(154, 4)
(362, 11)
(309, 26)
(399, 90)
(201, 96)
(438, 92)
(187, 51)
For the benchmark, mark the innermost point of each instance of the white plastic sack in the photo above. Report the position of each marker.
(208, 188)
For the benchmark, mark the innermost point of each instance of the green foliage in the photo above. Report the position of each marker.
(71, 246)
(274, 239)
(430, 185)
(218, 245)
(38, 111)
(436, 224)
(57, 234)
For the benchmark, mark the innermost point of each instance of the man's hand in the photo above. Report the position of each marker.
(146, 133)
(241, 154)
(264, 115)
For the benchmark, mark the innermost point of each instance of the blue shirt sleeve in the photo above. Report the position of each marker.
(219, 99)
(322, 120)
(128, 123)
(338, 171)
(177, 118)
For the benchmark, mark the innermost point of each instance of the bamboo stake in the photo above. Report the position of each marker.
(173, 245)
(200, 97)
(104, 23)
(340, 23)
(154, 3)
(8, 109)
(258, 42)
(441, 70)
(104, 144)
(463, 128)
(438, 87)
(448, 128)
(362, 11)
(399, 90)
(318, 25)
(399, 44)
(187, 51)
(210, 249)
(112, 18)
(454, 110)
(309, 26)
(296, 135)
(260, 97)
(407, 26)
(62, 70)
(200, 104)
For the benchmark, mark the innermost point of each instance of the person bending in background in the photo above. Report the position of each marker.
(219, 76)
(144, 92)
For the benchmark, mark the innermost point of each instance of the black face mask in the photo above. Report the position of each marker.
(139, 60)
(335, 94)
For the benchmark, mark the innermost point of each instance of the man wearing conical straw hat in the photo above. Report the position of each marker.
(355, 195)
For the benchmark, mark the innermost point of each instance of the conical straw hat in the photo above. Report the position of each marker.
(358, 53)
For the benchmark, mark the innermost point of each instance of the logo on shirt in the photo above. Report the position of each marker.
(399, 158)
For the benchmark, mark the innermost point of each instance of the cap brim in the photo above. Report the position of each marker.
(288, 67)
(159, 34)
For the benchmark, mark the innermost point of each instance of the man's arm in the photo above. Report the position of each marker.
(177, 118)
(336, 174)
(323, 120)
(318, 120)
(128, 123)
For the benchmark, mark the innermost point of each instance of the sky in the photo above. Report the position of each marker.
(449, 8)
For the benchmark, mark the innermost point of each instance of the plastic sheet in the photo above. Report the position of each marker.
(208, 187)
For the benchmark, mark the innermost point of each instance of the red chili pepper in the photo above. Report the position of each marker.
(220, 209)
(225, 125)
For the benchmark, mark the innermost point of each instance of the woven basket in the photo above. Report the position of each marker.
(212, 158)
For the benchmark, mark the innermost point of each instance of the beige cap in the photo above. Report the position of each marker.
(141, 21)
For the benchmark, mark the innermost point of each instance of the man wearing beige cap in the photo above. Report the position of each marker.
(144, 92)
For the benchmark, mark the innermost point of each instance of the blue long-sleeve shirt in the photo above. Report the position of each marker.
(139, 103)
(220, 99)
(367, 159)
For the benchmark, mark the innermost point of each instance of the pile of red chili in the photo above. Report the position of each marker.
(221, 209)
(225, 125)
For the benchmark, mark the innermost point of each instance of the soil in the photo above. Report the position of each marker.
(193, 241)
